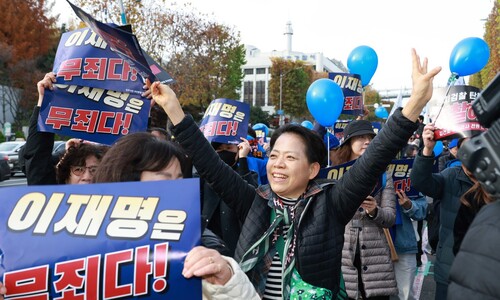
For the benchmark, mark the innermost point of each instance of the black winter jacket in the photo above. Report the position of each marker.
(474, 273)
(218, 216)
(320, 234)
(448, 186)
(37, 154)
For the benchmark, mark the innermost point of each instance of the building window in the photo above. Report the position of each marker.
(248, 71)
(248, 92)
(261, 70)
(260, 91)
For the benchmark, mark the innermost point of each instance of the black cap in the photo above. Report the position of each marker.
(357, 128)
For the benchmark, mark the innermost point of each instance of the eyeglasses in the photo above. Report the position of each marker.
(80, 170)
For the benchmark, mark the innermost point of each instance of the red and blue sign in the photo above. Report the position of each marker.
(352, 90)
(100, 241)
(225, 121)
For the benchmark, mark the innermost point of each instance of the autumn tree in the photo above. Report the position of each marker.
(27, 36)
(492, 38)
(295, 78)
(202, 55)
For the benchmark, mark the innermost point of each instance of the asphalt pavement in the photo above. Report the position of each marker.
(17, 180)
(425, 278)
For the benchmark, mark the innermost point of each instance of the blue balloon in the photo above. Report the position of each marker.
(381, 112)
(307, 124)
(438, 148)
(469, 56)
(363, 60)
(325, 101)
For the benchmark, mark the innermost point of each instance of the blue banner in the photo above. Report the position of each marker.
(225, 121)
(92, 114)
(377, 126)
(353, 92)
(83, 58)
(399, 169)
(100, 241)
(124, 43)
(338, 128)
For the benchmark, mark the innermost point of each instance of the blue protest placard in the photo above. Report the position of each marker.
(225, 121)
(92, 114)
(124, 43)
(100, 241)
(353, 92)
(377, 126)
(338, 128)
(85, 59)
(399, 169)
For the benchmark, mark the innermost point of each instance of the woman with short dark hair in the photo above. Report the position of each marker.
(293, 228)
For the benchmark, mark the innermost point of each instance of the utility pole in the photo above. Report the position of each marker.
(281, 113)
(122, 13)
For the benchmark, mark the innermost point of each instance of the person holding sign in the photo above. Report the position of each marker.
(449, 186)
(366, 259)
(296, 223)
(76, 166)
(143, 157)
(217, 216)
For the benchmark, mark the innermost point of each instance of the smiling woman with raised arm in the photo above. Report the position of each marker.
(293, 228)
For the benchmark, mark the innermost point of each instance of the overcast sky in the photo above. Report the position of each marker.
(335, 28)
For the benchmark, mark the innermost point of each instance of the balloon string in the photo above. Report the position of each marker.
(451, 82)
(329, 130)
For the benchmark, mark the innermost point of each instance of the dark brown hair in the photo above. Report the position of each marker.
(76, 156)
(341, 154)
(137, 152)
(476, 197)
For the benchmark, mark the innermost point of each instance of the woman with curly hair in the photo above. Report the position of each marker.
(77, 165)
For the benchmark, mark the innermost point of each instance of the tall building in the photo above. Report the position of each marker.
(255, 88)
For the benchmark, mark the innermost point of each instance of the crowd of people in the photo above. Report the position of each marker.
(297, 236)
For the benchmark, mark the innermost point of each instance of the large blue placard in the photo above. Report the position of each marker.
(92, 114)
(100, 241)
(84, 58)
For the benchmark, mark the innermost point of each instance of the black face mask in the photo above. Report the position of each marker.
(228, 157)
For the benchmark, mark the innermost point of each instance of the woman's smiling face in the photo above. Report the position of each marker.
(288, 168)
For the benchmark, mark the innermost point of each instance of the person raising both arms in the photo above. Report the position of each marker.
(293, 228)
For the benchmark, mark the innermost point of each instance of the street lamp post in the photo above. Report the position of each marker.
(280, 123)
(122, 13)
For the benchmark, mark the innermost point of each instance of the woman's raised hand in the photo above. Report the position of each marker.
(164, 96)
(422, 87)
